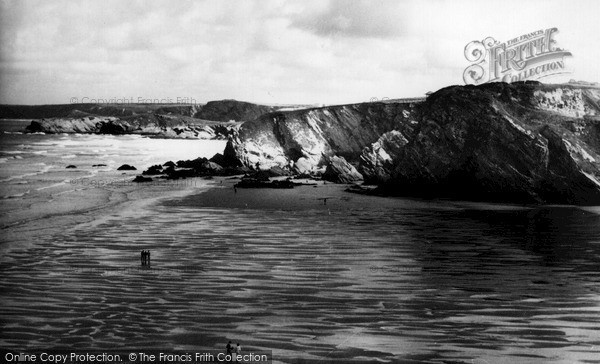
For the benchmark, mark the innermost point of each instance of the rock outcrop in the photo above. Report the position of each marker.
(499, 142)
(126, 167)
(522, 142)
(156, 125)
(340, 171)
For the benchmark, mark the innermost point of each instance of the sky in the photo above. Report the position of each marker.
(267, 51)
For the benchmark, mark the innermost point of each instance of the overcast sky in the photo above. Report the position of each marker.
(280, 51)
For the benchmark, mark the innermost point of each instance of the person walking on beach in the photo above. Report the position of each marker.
(238, 352)
(145, 257)
(229, 348)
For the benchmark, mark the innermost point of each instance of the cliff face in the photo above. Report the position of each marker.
(524, 142)
(303, 138)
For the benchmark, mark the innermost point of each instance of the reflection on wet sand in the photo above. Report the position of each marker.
(360, 279)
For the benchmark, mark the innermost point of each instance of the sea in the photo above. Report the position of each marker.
(312, 274)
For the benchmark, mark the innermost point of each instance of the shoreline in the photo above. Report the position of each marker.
(83, 206)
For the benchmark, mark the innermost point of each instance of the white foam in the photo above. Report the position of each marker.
(17, 195)
(42, 171)
(51, 186)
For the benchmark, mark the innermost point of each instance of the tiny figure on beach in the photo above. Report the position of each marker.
(229, 348)
(234, 190)
(145, 257)
(238, 352)
(324, 200)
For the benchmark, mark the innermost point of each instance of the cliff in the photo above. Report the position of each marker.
(216, 119)
(164, 126)
(523, 142)
(302, 139)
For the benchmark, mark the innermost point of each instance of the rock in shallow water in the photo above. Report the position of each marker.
(126, 167)
(141, 179)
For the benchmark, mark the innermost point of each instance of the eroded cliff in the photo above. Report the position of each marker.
(302, 139)
(522, 142)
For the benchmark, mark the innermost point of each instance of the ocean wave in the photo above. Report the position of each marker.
(12, 132)
(52, 186)
(5, 197)
(45, 169)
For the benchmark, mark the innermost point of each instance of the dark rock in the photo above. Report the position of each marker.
(230, 156)
(71, 166)
(140, 179)
(113, 127)
(253, 183)
(219, 159)
(34, 127)
(340, 171)
(169, 164)
(226, 110)
(126, 167)
(169, 170)
(154, 170)
(194, 163)
(99, 165)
